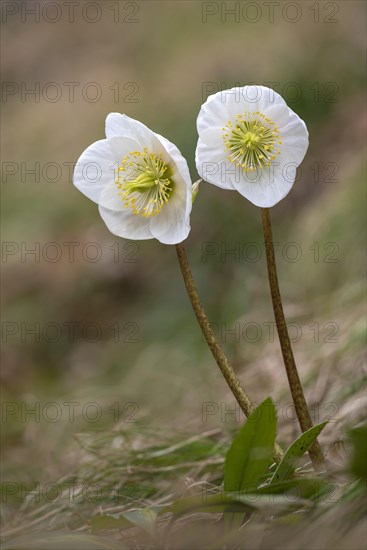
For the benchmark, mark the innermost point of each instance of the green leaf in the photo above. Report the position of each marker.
(313, 488)
(212, 504)
(144, 518)
(251, 451)
(99, 523)
(233, 504)
(357, 466)
(298, 448)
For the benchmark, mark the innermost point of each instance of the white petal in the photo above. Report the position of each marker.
(182, 170)
(295, 138)
(172, 224)
(176, 155)
(212, 161)
(279, 114)
(217, 110)
(267, 187)
(227, 104)
(118, 125)
(261, 98)
(249, 98)
(125, 224)
(95, 169)
(213, 139)
(111, 197)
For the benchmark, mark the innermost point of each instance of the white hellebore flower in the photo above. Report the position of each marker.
(139, 180)
(252, 142)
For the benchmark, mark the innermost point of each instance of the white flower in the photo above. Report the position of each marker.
(252, 142)
(140, 181)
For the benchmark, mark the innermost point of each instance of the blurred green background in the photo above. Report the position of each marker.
(157, 61)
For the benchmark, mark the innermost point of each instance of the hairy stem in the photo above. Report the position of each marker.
(226, 369)
(303, 414)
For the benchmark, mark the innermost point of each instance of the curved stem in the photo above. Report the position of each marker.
(303, 414)
(226, 369)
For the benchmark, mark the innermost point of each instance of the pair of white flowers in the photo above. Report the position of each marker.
(249, 141)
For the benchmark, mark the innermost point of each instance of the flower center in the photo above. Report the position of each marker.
(145, 182)
(252, 141)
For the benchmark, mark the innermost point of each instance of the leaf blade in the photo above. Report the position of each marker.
(251, 451)
(296, 450)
